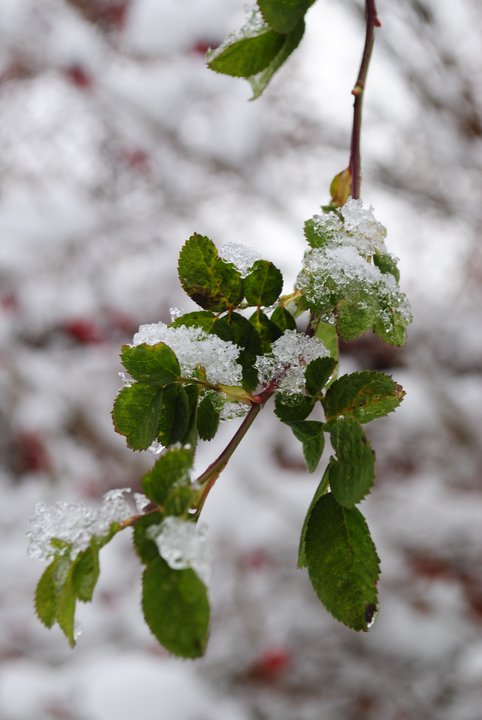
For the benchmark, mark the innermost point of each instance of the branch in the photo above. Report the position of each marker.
(372, 22)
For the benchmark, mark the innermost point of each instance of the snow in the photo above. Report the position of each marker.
(286, 363)
(193, 348)
(100, 185)
(183, 545)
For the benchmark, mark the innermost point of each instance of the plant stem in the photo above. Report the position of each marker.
(209, 476)
(372, 22)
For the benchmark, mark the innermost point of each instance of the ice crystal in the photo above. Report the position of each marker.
(340, 266)
(183, 545)
(156, 447)
(141, 502)
(253, 26)
(361, 225)
(286, 364)
(241, 256)
(233, 410)
(74, 524)
(193, 348)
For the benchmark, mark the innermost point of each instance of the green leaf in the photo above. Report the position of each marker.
(176, 608)
(396, 334)
(310, 434)
(208, 417)
(363, 395)
(357, 311)
(152, 364)
(317, 374)
(351, 475)
(283, 15)
(85, 573)
(326, 332)
(318, 234)
(283, 319)
(210, 282)
(240, 331)
(66, 609)
(202, 319)
(172, 468)
(136, 414)
(291, 408)
(247, 56)
(264, 283)
(47, 595)
(343, 564)
(386, 263)
(144, 545)
(321, 490)
(267, 331)
(173, 425)
(260, 81)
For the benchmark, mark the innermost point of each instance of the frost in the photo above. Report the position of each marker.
(156, 447)
(254, 25)
(361, 225)
(233, 410)
(343, 268)
(193, 348)
(73, 525)
(241, 256)
(175, 313)
(141, 502)
(183, 545)
(286, 364)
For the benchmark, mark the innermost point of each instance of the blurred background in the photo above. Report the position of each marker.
(116, 144)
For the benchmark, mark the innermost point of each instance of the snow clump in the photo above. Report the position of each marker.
(193, 348)
(241, 256)
(74, 524)
(183, 545)
(287, 362)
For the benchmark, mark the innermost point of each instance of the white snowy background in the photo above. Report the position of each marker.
(116, 144)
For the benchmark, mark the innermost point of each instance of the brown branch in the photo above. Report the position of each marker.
(372, 22)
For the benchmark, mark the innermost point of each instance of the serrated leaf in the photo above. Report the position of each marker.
(321, 490)
(283, 15)
(352, 473)
(263, 284)
(267, 331)
(326, 332)
(47, 595)
(174, 416)
(342, 561)
(283, 319)
(317, 374)
(85, 573)
(310, 434)
(152, 364)
(357, 311)
(208, 417)
(247, 56)
(291, 408)
(176, 608)
(66, 609)
(240, 331)
(210, 282)
(363, 395)
(386, 264)
(202, 319)
(144, 545)
(136, 414)
(291, 41)
(172, 468)
(396, 334)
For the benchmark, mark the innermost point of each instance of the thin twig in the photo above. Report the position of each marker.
(372, 22)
